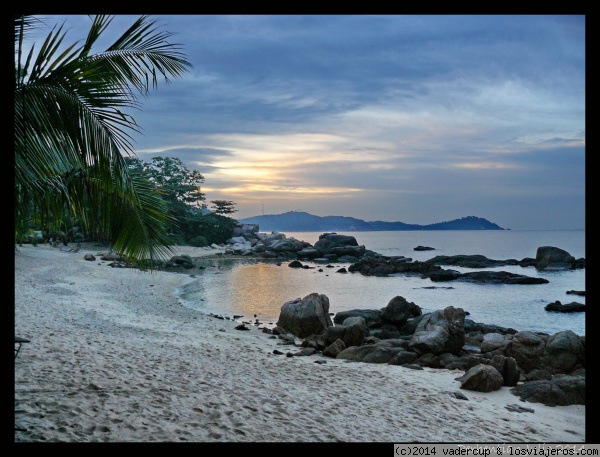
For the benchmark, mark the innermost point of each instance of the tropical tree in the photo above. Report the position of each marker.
(180, 188)
(178, 183)
(223, 207)
(73, 132)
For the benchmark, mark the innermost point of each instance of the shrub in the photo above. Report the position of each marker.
(198, 241)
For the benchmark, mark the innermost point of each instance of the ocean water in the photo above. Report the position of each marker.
(257, 289)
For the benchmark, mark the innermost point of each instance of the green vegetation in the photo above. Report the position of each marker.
(72, 135)
(191, 222)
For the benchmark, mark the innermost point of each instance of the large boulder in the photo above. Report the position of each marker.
(399, 310)
(307, 316)
(372, 317)
(508, 368)
(334, 349)
(433, 340)
(564, 352)
(493, 341)
(527, 349)
(452, 339)
(481, 378)
(552, 258)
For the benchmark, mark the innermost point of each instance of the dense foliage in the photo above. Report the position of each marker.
(192, 223)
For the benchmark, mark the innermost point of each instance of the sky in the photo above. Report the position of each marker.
(412, 118)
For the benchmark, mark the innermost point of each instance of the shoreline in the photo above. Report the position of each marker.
(114, 356)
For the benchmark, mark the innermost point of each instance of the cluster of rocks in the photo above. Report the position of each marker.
(543, 368)
(547, 258)
(331, 247)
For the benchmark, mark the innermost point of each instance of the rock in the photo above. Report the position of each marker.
(561, 390)
(466, 261)
(456, 394)
(450, 339)
(423, 248)
(564, 351)
(552, 258)
(403, 357)
(433, 340)
(508, 368)
(329, 241)
(481, 378)
(399, 310)
(519, 409)
(307, 316)
(372, 317)
(487, 277)
(527, 349)
(572, 307)
(493, 341)
(334, 348)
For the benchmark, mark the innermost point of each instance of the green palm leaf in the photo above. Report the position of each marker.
(72, 131)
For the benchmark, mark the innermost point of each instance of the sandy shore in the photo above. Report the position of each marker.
(115, 357)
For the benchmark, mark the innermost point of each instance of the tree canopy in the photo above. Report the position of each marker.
(223, 207)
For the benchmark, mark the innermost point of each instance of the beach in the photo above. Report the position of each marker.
(114, 357)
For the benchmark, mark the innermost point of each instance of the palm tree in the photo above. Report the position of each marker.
(72, 133)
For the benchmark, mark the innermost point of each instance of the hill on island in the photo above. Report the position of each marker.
(299, 221)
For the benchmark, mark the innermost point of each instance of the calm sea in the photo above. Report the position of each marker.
(259, 288)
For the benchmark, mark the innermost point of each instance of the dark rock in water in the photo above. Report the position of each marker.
(385, 266)
(466, 261)
(581, 293)
(242, 327)
(424, 248)
(552, 258)
(488, 277)
(572, 307)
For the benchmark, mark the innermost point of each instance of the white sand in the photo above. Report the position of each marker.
(115, 357)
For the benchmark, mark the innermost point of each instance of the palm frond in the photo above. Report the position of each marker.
(72, 130)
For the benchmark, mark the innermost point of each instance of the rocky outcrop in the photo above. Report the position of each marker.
(469, 261)
(490, 356)
(487, 277)
(385, 266)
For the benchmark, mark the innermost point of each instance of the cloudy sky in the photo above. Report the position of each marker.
(419, 119)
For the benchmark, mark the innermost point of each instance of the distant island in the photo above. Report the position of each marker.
(298, 221)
